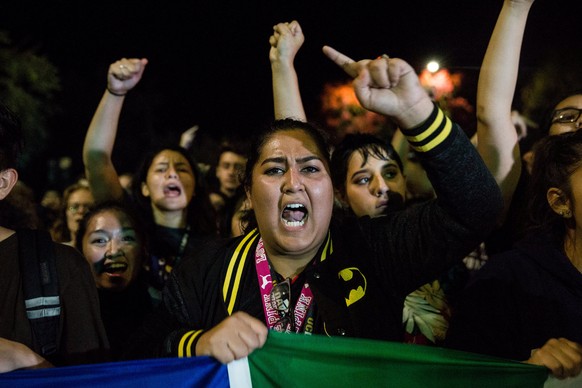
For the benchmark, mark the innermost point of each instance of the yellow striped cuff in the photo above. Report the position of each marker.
(434, 132)
(187, 342)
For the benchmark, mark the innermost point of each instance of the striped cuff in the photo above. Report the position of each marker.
(432, 135)
(187, 344)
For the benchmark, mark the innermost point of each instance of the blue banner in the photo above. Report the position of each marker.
(166, 372)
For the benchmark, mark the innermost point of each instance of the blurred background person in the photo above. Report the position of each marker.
(228, 171)
(77, 201)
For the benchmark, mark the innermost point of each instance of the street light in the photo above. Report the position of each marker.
(432, 66)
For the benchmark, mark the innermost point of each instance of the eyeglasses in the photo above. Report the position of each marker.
(566, 115)
(76, 207)
(281, 301)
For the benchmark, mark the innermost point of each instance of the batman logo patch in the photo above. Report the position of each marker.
(356, 283)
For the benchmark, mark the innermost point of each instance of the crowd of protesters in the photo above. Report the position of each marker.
(308, 228)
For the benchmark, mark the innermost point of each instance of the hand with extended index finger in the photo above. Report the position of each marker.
(383, 75)
(388, 86)
(351, 67)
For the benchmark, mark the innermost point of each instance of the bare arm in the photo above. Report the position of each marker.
(497, 135)
(285, 42)
(123, 75)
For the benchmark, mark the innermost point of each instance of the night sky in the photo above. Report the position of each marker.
(209, 60)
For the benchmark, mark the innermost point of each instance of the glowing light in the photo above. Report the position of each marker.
(433, 66)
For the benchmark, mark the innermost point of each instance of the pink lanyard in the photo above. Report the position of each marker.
(302, 307)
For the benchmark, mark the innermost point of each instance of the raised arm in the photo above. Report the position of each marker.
(388, 86)
(123, 75)
(497, 137)
(285, 42)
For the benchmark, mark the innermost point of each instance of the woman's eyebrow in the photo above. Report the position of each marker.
(308, 159)
(390, 163)
(281, 159)
(276, 159)
(360, 171)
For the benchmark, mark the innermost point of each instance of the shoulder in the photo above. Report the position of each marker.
(9, 242)
(211, 254)
(204, 272)
(35, 241)
(74, 271)
(512, 268)
(375, 230)
(69, 256)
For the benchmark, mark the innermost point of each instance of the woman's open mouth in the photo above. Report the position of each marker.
(172, 190)
(294, 215)
(115, 267)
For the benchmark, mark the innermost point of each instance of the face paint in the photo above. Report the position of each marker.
(99, 266)
(111, 245)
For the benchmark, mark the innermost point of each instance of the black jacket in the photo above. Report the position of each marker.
(519, 300)
(364, 269)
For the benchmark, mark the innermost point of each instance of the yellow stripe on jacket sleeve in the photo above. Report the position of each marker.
(429, 131)
(431, 134)
(437, 140)
(183, 347)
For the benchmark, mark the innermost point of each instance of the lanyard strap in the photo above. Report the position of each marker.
(303, 306)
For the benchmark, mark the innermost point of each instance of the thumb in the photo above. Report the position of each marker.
(295, 27)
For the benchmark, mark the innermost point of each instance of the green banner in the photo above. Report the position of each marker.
(296, 360)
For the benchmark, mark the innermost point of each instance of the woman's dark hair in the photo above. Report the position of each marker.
(11, 138)
(200, 216)
(317, 135)
(556, 158)
(367, 145)
(549, 112)
(117, 207)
